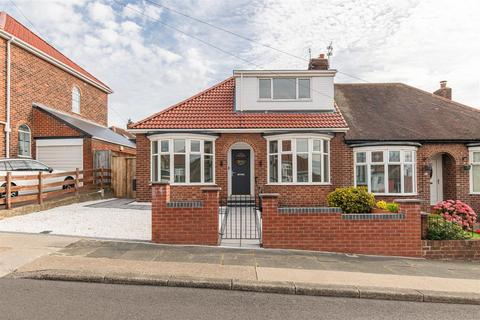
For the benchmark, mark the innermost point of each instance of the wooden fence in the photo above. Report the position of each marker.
(123, 173)
(36, 186)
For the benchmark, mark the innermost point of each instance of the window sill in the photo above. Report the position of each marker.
(24, 157)
(284, 100)
(395, 194)
(186, 184)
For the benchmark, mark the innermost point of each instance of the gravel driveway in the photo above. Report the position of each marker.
(113, 218)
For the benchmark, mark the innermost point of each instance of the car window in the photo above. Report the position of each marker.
(3, 166)
(19, 165)
(37, 166)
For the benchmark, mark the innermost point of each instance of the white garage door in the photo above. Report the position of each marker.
(61, 154)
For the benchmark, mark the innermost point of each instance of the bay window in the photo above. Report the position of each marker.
(299, 160)
(182, 160)
(475, 170)
(385, 170)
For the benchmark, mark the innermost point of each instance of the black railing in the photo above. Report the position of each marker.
(240, 218)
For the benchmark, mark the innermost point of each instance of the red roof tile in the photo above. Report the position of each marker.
(214, 109)
(15, 28)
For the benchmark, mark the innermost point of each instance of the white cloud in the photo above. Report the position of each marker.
(100, 12)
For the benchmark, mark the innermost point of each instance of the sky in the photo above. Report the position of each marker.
(153, 55)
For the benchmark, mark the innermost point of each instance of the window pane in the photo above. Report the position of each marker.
(165, 167)
(195, 146)
(273, 163)
(302, 167)
(34, 165)
(325, 146)
(154, 147)
(316, 145)
(208, 147)
(476, 178)
(164, 146)
(326, 166)
(302, 145)
(154, 168)
(179, 167)
(264, 89)
(361, 175)
(208, 169)
(476, 157)
(377, 156)
(408, 156)
(361, 157)
(286, 145)
(377, 178)
(408, 178)
(316, 168)
(195, 165)
(179, 146)
(303, 88)
(287, 175)
(394, 180)
(284, 88)
(273, 146)
(394, 156)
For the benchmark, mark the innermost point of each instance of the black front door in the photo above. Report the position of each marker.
(240, 171)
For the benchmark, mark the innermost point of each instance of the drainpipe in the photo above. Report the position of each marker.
(241, 91)
(7, 124)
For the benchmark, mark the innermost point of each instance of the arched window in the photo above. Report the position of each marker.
(24, 141)
(75, 100)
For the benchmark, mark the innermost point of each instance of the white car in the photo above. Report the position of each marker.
(23, 167)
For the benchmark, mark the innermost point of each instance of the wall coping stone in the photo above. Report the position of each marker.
(407, 200)
(185, 204)
(269, 195)
(373, 216)
(316, 210)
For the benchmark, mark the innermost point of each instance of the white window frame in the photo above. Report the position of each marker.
(297, 98)
(471, 150)
(293, 152)
(188, 138)
(29, 132)
(76, 99)
(386, 161)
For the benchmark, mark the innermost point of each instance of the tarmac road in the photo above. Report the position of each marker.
(34, 299)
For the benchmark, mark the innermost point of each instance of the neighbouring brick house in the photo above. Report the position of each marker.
(51, 109)
(296, 133)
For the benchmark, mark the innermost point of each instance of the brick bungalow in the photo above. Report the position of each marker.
(298, 134)
(51, 109)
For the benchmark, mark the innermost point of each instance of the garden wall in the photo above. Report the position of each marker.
(185, 221)
(451, 249)
(330, 230)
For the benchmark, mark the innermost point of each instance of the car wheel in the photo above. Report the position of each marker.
(12, 195)
(68, 186)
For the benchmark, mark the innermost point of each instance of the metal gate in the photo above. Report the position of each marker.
(240, 216)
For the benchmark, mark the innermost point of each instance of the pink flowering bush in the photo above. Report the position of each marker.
(457, 212)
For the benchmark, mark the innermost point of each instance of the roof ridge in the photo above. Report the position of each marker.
(181, 102)
(442, 98)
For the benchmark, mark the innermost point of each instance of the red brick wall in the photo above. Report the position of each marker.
(329, 232)
(451, 249)
(35, 80)
(184, 225)
(142, 172)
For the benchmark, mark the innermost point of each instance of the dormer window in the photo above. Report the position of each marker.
(283, 88)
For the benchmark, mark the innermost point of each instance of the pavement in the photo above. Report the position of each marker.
(275, 271)
(30, 299)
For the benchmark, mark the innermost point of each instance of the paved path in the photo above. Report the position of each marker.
(18, 249)
(135, 259)
(122, 220)
(28, 299)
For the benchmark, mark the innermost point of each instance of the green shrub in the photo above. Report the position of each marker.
(392, 207)
(440, 229)
(352, 199)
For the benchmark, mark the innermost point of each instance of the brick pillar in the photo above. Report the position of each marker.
(160, 197)
(269, 213)
(210, 211)
(412, 210)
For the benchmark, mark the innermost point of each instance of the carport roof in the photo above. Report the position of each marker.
(91, 129)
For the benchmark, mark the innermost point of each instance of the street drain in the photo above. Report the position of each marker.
(46, 231)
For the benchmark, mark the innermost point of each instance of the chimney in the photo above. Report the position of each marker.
(444, 91)
(320, 63)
